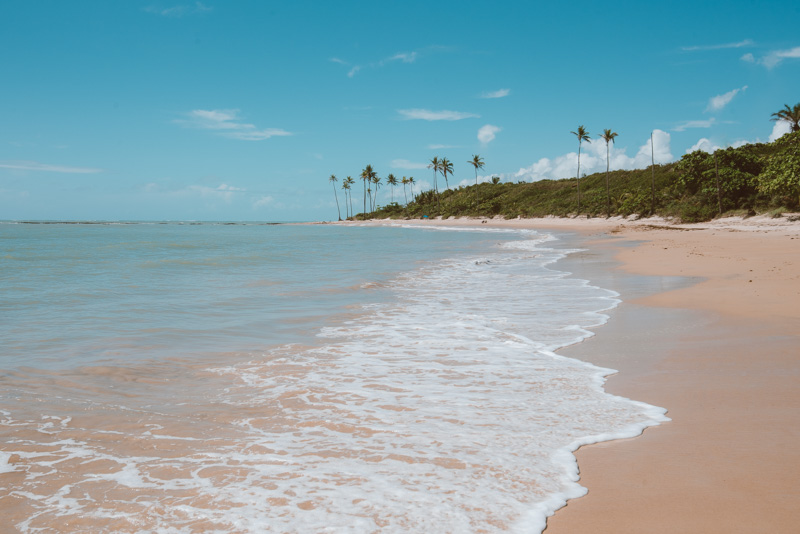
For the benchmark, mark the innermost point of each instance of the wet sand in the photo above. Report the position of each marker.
(720, 349)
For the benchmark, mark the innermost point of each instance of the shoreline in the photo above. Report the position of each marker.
(720, 351)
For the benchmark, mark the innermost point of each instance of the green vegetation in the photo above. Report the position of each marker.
(757, 178)
(746, 180)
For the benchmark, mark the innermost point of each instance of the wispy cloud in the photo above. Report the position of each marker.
(401, 57)
(263, 202)
(428, 115)
(440, 147)
(695, 124)
(740, 44)
(487, 133)
(500, 93)
(226, 122)
(406, 164)
(34, 166)
(197, 8)
(716, 103)
(774, 58)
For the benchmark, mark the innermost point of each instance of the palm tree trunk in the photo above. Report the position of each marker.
(336, 196)
(578, 178)
(365, 197)
(653, 167)
(477, 202)
(608, 191)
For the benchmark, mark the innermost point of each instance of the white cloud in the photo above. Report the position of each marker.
(500, 93)
(440, 147)
(593, 159)
(34, 166)
(694, 124)
(405, 57)
(428, 115)
(263, 202)
(179, 11)
(716, 103)
(705, 145)
(740, 44)
(223, 191)
(487, 133)
(774, 58)
(780, 129)
(352, 72)
(227, 121)
(339, 61)
(406, 164)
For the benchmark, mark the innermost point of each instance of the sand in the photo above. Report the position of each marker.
(712, 333)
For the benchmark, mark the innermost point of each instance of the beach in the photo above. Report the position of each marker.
(720, 351)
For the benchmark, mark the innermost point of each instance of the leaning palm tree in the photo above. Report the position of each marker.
(333, 179)
(476, 162)
(367, 173)
(436, 165)
(404, 181)
(608, 136)
(446, 166)
(790, 115)
(349, 183)
(392, 181)
(346, 189)
(582, 136)
(377, 181)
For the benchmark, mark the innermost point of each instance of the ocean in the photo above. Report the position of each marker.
(221, 377)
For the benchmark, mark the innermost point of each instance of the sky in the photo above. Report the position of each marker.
(242, 110)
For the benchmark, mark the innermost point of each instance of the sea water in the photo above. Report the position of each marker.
(201, 377)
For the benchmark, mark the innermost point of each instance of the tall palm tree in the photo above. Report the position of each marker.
(446, 166)
(404, 181)
(346, 189)
(377, 181)
(608, 136)
(349, 182)
(476, 162)
(582, 136)
(367, 173)
(411, 185)
(790, 115)
(436, 165)
(333, 179)
(392, 181)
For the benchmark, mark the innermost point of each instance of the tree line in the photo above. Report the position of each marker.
(697, 187)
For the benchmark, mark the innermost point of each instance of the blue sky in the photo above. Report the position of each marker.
(241, 110)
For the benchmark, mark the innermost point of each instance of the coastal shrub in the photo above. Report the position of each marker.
(781, 177)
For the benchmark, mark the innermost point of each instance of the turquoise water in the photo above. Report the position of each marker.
(74, 294)
(294, 378)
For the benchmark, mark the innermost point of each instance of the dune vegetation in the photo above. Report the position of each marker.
(746, 180)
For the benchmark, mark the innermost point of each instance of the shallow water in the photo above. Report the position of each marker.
(176, 378)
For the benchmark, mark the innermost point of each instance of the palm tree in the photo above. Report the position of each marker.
(582, 135)
(367, 174)
(377, 181)
(392, 181)
(411, 185)
(476, 162)
(404, 181)
(790, 115)
(349, 183)
(333, 179)
(446, 166)
(436, 165)
(346, 188)
(608, 136)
